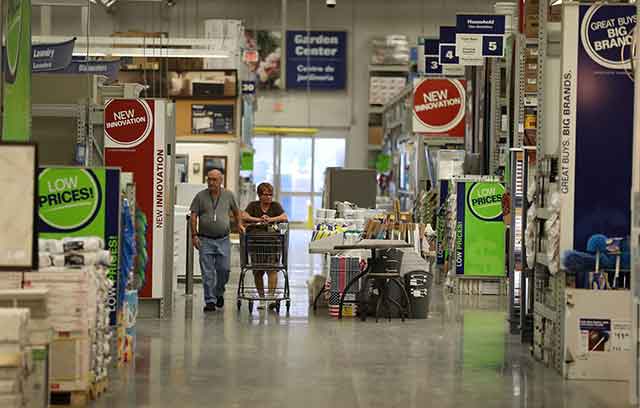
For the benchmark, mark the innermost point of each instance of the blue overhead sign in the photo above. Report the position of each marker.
(479, 36)
(484, 24)
(432, 57)
(52, 57)
(316, 60)
(447, 50)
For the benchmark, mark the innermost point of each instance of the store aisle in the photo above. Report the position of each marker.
(461, 357)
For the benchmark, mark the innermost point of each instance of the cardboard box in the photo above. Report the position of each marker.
(376, 135)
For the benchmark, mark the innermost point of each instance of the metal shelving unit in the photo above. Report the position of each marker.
(549, 292)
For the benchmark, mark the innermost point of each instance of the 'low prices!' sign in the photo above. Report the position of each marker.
(439, 107)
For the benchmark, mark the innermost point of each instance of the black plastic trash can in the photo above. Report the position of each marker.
(418, 285)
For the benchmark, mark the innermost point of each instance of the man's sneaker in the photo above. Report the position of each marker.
(210, 307)
(220, 303)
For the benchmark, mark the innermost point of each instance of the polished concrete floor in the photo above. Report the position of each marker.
(462, 356)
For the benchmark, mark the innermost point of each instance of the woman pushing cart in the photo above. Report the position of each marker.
(264, 251)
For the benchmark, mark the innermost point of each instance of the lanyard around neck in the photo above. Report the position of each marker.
(215, 204)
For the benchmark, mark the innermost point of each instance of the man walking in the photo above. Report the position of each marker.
(210, 227)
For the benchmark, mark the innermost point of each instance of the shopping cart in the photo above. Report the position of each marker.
(264, 247)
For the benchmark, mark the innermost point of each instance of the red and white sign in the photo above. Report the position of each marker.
(135, 141)
(127, 122)
(439, 107)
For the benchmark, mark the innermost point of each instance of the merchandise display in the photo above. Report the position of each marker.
(390, 50)
(474, 163)
(78, 312)
(16, 364)
(383, 89)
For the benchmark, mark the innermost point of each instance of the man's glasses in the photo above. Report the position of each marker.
(267, 194)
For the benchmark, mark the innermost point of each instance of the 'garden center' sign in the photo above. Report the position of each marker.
(439, 107)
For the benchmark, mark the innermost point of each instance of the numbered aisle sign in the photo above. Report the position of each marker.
(432, 57)
(447, 53)
(479, 36)
(248, 87)
(448, 46)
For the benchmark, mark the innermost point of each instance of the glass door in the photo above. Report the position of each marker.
(295, 185)
(296, 165)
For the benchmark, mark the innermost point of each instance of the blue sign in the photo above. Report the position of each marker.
(483, 24)
(597, 132)
(106, 68)
(492, 46)
(52, 57)
(432, 57)
(607, 35)
(316, 60)
(604, 118)
(448, 46)
(248, 87)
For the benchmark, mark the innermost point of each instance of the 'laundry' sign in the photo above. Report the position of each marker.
(316, 60)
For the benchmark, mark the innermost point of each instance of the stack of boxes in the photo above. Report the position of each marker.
(15, 358)
(79, 314)
(384, 89)
(39, 337)
(390, 50)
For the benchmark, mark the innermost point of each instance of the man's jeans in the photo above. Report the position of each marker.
(214, 264)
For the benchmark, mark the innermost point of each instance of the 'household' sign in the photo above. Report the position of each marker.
(316, 60)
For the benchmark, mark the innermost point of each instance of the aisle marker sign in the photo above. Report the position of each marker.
(479, 36)
(439, 107)
(432, 57)
(447, 52)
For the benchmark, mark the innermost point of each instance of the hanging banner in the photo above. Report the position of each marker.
(432, 57)
(16, 123)
(439, 107)
(479, 36)
(52, 57)
(107, 68)
(596, 125)
(83, 202)
(135, 142)
(480, 241)
(317, 60)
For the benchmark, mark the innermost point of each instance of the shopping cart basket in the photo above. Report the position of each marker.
(264, 247)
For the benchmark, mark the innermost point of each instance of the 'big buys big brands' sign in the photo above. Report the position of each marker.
(135, 141)
(439, 107)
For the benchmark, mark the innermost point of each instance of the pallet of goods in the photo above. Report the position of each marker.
(80, 349)
(39, 338)
(16, 361)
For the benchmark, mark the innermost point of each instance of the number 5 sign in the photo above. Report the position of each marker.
(480, 35)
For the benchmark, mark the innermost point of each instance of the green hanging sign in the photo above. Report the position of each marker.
(480, 241)
(383, 163)
(246, 160)
(16, 124)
